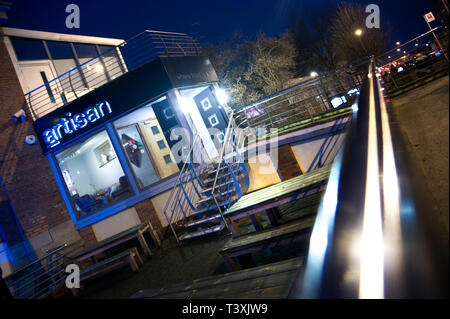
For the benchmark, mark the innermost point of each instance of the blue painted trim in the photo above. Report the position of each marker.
(129, 202)
(62, 185)
(117, 145)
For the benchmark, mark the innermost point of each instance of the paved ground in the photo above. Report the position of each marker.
(423, 115)
(195, 259)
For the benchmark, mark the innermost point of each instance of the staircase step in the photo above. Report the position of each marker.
(202, 232)
(217, 196)
(210, 208)
(217, 186)
(211, 180)
(222, 167)
(202, 221)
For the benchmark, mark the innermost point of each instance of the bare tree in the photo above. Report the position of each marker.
(252, 69)
(346, 44)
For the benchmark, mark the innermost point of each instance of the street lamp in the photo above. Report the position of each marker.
(358, 33)
(313, 74)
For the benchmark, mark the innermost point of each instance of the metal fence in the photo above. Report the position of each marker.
(108, 66)
(287, 109)
(39, 278)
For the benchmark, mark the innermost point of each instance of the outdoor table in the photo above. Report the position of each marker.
(124, 236)
(269, 198)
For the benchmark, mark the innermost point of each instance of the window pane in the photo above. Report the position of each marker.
(161, 145)
(156, 158)
(60, 50)
(93, 174)
(137, 155)
(112, 61)
(29, 49)
(85, 50)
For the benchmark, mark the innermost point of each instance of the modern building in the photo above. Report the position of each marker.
(94, 132)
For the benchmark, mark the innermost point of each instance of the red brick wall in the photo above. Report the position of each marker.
(28, 178)
(88, 236)
(146, 211)
(287, 163)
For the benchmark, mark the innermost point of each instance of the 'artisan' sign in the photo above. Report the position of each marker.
(71, 124)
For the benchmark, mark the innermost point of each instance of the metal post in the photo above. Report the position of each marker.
(437, 40)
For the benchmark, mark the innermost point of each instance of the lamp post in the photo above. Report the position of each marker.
(358, 33)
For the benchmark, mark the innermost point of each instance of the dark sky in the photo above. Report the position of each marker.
(208, 21)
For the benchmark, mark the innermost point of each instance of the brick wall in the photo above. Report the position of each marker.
(88, 236)
(28, 178)
(146, 211)
(287, 163)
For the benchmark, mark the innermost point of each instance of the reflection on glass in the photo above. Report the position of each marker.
(93, 174)
(142, 131)
(137, 155)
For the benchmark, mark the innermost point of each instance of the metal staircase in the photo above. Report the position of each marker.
(206, 188)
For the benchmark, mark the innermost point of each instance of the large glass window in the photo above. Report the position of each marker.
(136, 151)
(29, 49)
(93, 174)
(145, 144)
(63, 61)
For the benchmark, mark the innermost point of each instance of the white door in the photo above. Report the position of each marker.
(34, 75)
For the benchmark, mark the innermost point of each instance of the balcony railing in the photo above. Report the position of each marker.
(108, 66)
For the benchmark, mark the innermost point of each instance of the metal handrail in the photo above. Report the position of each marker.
(185, 190)
(132, 53)
(367, 240)
(29, 282)
(303, 100)
(221, 159)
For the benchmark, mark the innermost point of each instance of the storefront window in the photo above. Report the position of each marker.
(145, 144)
(93, 174)
(137, 154)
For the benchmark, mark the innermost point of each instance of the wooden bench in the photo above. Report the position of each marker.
(273, 281)
(280, 235)
(130, 256)
(268, 199)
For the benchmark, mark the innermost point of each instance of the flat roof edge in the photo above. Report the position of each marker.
(52, 36)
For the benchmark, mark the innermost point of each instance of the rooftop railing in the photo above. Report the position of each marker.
(108, 66)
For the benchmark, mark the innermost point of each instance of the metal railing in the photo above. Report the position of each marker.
(368, 240)
(414, 62)
(39, 278)
(230, 164)
(108, 66)
(307, 100)
(187, 190)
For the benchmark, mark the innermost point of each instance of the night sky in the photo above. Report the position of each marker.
(208, 21)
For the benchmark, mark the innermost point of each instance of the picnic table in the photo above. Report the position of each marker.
(273, 237)
(268, 199)
(135, 232)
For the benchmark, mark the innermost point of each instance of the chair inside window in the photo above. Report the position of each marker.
(124, 187)
(88, 203)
